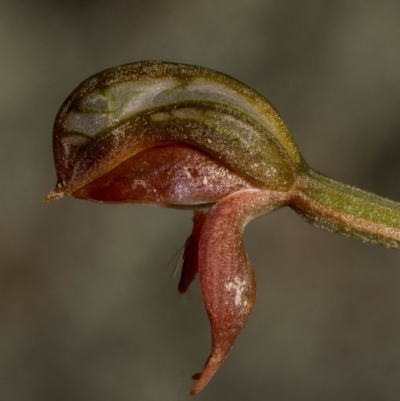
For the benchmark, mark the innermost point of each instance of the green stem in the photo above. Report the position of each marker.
(347, 210)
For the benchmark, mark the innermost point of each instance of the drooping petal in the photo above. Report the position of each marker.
(226, 276)
(190, 264)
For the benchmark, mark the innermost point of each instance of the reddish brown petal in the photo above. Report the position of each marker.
(226, 276)
(190, 265)
(167, 174)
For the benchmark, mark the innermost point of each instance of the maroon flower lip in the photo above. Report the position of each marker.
(226, 276)
(175, 135)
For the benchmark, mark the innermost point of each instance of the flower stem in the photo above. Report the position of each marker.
(347, 210)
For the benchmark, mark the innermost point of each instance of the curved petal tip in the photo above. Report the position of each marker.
(213, 363)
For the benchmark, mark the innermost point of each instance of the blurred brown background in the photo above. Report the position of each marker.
(88, 306)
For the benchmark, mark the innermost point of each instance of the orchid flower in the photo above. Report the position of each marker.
(176, 135)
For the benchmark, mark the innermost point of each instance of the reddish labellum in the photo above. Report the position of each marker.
(226, 275)
(183, 136)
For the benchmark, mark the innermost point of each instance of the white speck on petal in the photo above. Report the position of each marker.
(239, 287)
(205, 181)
